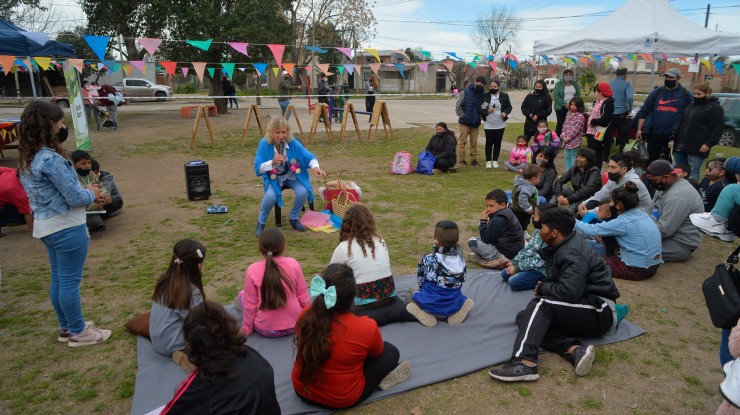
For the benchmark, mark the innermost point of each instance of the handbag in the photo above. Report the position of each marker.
(332, 189)
(343, 202)
(722, 293)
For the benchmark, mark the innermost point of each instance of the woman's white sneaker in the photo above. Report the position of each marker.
(495, 164)
(89, 336)
(489, 165)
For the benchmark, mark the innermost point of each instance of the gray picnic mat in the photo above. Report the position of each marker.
(484, 339)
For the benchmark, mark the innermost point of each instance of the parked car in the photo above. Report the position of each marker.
(62, 99)
(143, 88)
(731, 105)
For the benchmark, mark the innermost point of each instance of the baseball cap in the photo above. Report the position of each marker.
(673, 73)
(732, 165)
(285, 72)
(661, 168)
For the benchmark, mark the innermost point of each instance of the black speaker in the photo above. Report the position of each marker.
(197, 180)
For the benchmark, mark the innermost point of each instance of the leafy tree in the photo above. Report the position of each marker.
(74, 37)
(586, 80)
(7, 6)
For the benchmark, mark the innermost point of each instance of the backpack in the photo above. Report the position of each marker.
(401, 163)
(425, 163)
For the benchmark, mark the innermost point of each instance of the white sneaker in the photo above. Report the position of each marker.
(89, 336)
(488, 165)
(495, 164)
(711, 226)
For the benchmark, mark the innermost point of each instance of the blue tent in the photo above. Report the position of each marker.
(13, 42)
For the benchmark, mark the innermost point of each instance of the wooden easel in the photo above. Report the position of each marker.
(202, 112)
(380, 113)
(253, 109)
(321, 109)
(349, 109)
(292, 111)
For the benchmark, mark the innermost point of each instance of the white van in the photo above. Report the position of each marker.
(550, 82)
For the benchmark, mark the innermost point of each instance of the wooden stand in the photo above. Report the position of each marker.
(253, 109)
(321, 109)
(291, 110)
(380, 113)
(202, 112)
(349, 109)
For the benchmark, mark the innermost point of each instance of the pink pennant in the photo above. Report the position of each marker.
(346, 51)
(277, 52)
(374, 67)
(493, 66)
(240, 47)
(423, 66)
(138, 65)
(448, 65)
(77, 63)
(150, 44)
(200, 69)
(323, 67)
(185, 71)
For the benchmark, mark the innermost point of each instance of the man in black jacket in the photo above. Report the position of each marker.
(575, 299)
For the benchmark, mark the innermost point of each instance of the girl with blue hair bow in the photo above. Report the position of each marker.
(341, 358)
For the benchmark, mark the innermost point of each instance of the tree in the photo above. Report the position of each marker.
(37, 17)
(7, 7)
(74, 37)
(586, 80)
(497, 26)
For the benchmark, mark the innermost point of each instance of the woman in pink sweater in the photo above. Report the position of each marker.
(274, 290)
(520, 155)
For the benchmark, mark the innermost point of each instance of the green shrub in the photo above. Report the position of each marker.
(185, 89)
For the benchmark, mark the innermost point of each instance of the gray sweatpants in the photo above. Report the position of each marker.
(483, 250)
(673, 251)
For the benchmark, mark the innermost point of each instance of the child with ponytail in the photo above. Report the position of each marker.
(274, 290)
(178, 290)
(341, 358)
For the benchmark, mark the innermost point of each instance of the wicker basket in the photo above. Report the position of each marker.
(343, 202)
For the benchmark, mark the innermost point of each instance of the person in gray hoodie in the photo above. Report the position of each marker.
(675, 199)
(619, 171)
(525, 195)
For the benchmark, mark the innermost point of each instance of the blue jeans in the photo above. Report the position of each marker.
(522, 280)
(724, 348)
(283, 106)
(570, 157)
(695, 162)
(269, 200)
(67, 254)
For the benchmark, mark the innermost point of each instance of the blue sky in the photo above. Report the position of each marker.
(455, 21)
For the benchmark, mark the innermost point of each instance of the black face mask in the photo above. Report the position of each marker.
(670, 84)
(537, 224)
(62, 135)
(537, 91)
(660, 186)
(494, 91)
(440, 135)
(83, 172)
(614, 176)
(700, 100)
(479, 88)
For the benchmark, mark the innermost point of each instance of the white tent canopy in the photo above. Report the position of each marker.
(643, 26)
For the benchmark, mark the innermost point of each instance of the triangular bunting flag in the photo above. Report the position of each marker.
(512, 57)
(275, 71)
(78, 64)
(185, 71)
(127, 69)
(98, 44)
(513, 64)
(341, 69)
(350, 67)
(423, 66)
(707, 64)
(200, 44)
(426, 53)
(473, 64)
(138, 65)
(94, 66)
(584, 61)
(734, 65)
(607, 61)
(448, 65)
(260, 68)
(228, 68)
(150, 44)
(546, 59)
(719, 65)
(200, 68)
(373, 52)
(37, 37)
(7, 62)
(111, 65)
(169, 67)
(277, 52)
(374, 67)
(493, 66)
(476, 58)
(647, 56)
(289, 67)
(242, 69)
(240, 47)
(316, 49)
(453, 55)
(323, 67)
(346, 51)
(43, 62)
(400, 68)
(211, 72)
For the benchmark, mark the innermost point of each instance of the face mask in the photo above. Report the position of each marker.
(521, 145)
(83, 172)
(537, 224)
(494, 91)
(537, 91)
(660, 186)
(440, 135)
(614, 176)
(540, 162)
(613, 210)
(479, 88)
(670, 84)
(62, 135)
(542, 130)
(567, 78)
(700, 100)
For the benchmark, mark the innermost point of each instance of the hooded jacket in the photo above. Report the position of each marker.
(605, 194)
(575, 271)
(468, 106)
(701, 123)
(585, 183)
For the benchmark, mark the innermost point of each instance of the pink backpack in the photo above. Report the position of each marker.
(402, 163)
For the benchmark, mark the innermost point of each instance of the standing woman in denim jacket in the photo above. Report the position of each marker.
(58, 202)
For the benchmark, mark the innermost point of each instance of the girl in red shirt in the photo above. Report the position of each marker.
(341, 358)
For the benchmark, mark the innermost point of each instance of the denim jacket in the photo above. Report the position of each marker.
(52, 187)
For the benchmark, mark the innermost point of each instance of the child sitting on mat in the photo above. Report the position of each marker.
(178, 290)
(274, 290)
(440, 276)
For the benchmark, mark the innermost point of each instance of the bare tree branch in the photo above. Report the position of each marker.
(497, 26)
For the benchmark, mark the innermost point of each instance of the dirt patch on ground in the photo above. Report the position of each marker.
(672, 369)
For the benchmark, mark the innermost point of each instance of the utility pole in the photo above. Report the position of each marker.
(698, 74)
